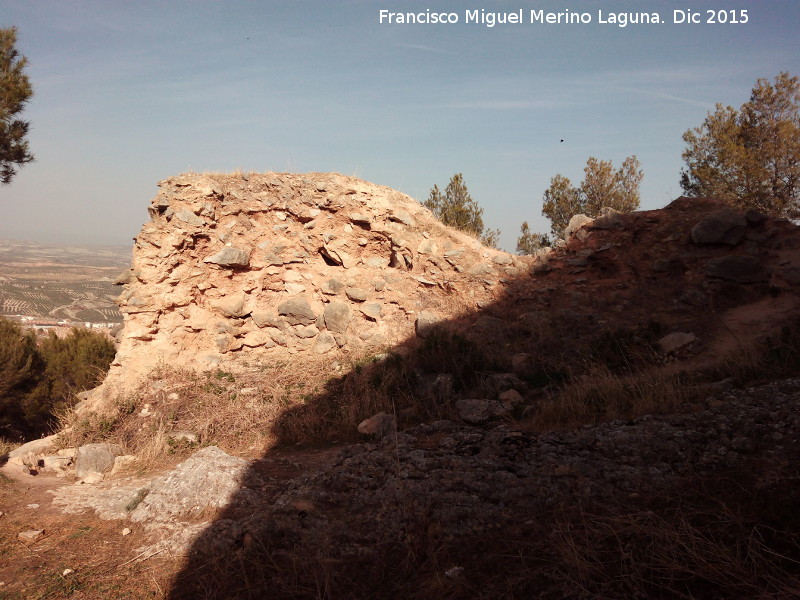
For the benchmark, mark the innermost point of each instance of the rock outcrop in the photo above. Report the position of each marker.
(284, 264)
(236, 269)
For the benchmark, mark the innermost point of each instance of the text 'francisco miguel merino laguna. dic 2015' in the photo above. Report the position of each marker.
(565, 17)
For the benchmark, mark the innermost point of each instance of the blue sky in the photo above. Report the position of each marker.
(128, 93)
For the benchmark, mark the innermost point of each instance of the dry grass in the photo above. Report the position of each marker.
(243, 413)
(696, 546)
(754, 361)
(599, 395)
(6, 446)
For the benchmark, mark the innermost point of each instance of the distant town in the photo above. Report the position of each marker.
(61, 327)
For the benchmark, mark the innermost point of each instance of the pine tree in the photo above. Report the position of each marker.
(76, 362)
(560, 202)
(20, 372)
(528, 242)
(15, 91)
(456, 208)
(602, 186)
(750, 157)
(36, 380)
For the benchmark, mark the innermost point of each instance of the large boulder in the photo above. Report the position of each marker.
(577, 225)
(210, 478)
(739, 269)
(723, 227)
(34, 447)
(229, 257)
(96, 458)
(297, 311)
(379, 425)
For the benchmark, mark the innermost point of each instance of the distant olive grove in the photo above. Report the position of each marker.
(38, 379)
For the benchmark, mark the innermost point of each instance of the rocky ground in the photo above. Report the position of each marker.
(457, 497)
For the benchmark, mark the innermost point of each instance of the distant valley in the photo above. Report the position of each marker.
(49, 284)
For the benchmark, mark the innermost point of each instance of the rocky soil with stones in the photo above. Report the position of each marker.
(444, 483)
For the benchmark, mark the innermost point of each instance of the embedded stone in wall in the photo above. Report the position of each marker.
(306, 331)
(371, 310)
(337, 316)
(189, 218)
(356, 294)
(258, 338)
(325, 342)
(332, 287)
(229, 257)
(297, 311)
(427, 246)
(265, 319)
(231, 306)
(277, 335)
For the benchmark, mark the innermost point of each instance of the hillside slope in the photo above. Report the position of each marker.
(611, 418)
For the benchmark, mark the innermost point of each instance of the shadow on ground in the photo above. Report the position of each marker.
(445, 509)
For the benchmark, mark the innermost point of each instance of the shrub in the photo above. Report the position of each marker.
(36, 381)
(20, 369)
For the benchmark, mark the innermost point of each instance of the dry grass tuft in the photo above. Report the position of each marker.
(697, 547)
(754, 361)
(599, 395)
(175, 412)
(6, 446)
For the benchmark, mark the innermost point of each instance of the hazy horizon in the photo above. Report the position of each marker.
(127, 94)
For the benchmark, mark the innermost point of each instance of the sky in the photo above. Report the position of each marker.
(129, 93)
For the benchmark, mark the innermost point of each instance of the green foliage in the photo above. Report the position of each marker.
(560, 202)
(34, 381)
(529, 243)
(491, 238)
(75, 363)
(602, 186)
(456, 208)
(750, 157)
(15, 91)
(19, 365)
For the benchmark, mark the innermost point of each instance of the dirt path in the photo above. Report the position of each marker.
(104, 562)
(96, 552)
